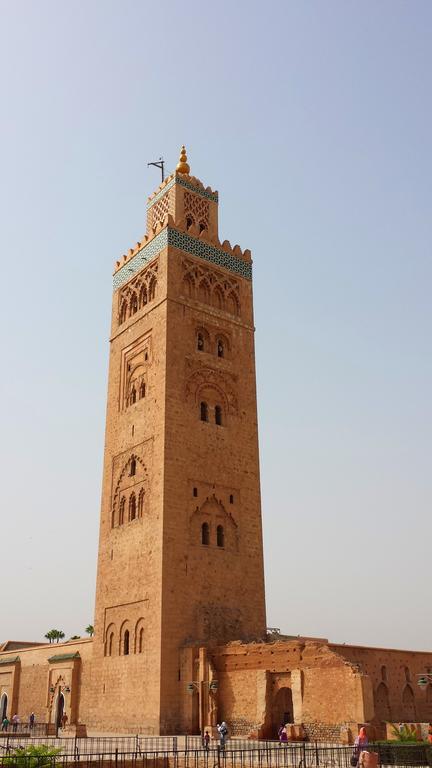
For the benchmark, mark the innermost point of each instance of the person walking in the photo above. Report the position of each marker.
(5, 723)
(282, 735)
(64, 721)
(360, 743)
(206, 741)
(223, 733)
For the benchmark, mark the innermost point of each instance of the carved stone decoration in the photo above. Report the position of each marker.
(210, 286)
(204, 378)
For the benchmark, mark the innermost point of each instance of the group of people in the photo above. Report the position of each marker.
(15, 721)
(222, 730)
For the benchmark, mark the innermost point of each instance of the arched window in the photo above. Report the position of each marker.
(133, 304)
(189, 221)
(231, 498)
(141, 640)
(218, 415)
(220, 348)
(132, 507)
(132, 466)
(205, 534)
(110, 643)
(220, 536)
(143, 296)
(126, 643)
(123, 312)
(141, 503)
(407, 674)
(122, 510)
(200, 342)
(204, 411)
(132, 396)
(152, 288)
(142, 390)
(202, 226)
(384, 674)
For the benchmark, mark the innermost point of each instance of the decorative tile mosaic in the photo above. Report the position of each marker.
(184, 242)
(178, 180)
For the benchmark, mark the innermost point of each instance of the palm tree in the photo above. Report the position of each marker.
(54, 635)
(90, 630)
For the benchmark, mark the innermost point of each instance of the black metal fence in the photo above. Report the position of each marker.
(285, 756)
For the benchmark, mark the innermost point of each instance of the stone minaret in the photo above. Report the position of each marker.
(180, 552)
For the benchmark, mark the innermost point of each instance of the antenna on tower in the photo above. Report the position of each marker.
(159, 164)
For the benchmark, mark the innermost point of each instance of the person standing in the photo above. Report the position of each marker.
(223, 733)
(32, 719)
(5, 723)
(15, 723)
(360, 743)
(206, 741)
(282, 735)
(64, 721)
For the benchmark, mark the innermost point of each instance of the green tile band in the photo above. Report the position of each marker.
(186, 243)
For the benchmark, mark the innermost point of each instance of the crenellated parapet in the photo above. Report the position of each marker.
(186, 237)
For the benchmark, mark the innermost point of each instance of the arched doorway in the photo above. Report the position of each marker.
(3, 706)
(382, 708)
(282, 709)
(59, 710)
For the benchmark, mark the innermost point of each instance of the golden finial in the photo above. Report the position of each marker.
(182, 166)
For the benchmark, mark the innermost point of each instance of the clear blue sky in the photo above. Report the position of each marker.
(313, 120)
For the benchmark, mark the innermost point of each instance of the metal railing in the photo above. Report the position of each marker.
(287, 755)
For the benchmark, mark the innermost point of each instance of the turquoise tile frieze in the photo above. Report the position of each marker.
(203, 250)
(141, 258)
(199, 191)
(186, 243)
(178, 180)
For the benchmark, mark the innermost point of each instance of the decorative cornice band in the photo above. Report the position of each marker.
(64, 657)
(183, 242)
(178, 180)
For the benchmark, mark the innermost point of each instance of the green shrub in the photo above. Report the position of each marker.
(32, 756)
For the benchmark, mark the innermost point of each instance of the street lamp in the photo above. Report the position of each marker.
(424, 679)
(194, 684)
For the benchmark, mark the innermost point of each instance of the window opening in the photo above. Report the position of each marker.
(133, 466)
(142, 390)
(195, 491)
(126, 643)
(122, 510)
(110, 643)
(220, 536)
(204, 411)
(220, 349)
(132, 507)
(200, 342)
(231, 499)
(218, 415)
(205, 534)
(140, 641)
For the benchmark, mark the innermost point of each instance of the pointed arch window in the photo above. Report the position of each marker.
(384, 674)
(122, 510)
(123, 312)
(141, 640)
(132, 507)
(142, 390)
(200, 342)
(126, 643)
(141, 503)
(220, 536)
(220, 348)
(205, 534)
(143, 296)
(132, 396)
(133, 304)
(132, 466)
(204, 411)
(110, 643)
(218, 415)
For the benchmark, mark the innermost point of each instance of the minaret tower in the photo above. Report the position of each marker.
(180, 552)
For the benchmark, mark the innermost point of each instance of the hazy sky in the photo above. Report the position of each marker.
(313, 120)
